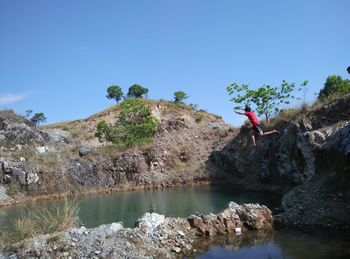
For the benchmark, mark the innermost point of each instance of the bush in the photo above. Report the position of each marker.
(135, 124)
(199, 117)
(334, 87)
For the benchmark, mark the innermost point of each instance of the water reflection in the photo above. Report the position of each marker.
(129, 206)
(276, 244)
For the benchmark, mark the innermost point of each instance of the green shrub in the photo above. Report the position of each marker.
(199, 117)
(335, 86)
(135, 124)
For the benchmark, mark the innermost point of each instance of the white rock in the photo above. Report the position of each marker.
(115, 227)
(42, 150)
(150, 221)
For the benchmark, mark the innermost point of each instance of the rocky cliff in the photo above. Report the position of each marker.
(66, 158)
(309, 162)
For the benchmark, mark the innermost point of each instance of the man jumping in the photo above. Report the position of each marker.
(255, 125)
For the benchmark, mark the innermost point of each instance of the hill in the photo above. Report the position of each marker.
(67, 158)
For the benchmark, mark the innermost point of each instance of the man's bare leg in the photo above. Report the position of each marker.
(253, 139)
(269, 132)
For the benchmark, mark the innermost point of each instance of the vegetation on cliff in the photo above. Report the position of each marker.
(135, 124)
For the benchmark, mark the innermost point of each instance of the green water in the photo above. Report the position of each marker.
(184, 201)
(129, 206)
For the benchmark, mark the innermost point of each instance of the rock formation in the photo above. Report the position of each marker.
(154, 236)
(309, 161)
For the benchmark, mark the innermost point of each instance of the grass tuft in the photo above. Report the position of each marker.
(47, 220)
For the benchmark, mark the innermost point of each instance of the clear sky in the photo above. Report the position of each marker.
(59, 56)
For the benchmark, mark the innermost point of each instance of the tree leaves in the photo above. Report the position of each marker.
(266, 98)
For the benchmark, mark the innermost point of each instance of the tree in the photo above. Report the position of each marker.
(137, 91)
(179, 96)
(266, 98)
(334, 85)
(28, 113)
(38, 118)
(114, 92)
(135, 124)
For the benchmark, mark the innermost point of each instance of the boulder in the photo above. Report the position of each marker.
(83, 151)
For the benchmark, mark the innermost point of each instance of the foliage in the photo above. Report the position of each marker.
(44, 220)
(38, 118)
(135, 124)
(199, 117)
(179, 96)
(115, 92)
(137, 91)
(266, 98)
(334, 86)
(28, 113)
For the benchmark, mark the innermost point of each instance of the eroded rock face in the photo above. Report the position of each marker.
(17, 130)
(309, 161)
(247, 216)
(153, 236)
(24, 174)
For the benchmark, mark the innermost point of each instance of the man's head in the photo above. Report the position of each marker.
(348, 69)
(247, 108)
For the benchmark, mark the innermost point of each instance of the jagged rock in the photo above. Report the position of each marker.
(59, 136)
(18, 130)
(150, 221)
(42, 150)
(155, 236)
(83, 151)
(250, 216)
(15, 169)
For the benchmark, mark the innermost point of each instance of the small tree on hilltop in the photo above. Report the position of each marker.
(137, 91)
(114, 92)
(334, 86)
(179, 96)
(28, 113)
(38, 118)
(266, 98)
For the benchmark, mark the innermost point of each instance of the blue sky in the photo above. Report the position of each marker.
(59, 57)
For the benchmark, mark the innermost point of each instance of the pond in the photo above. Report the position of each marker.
(129, 206)
(281, 244)
(184, 201)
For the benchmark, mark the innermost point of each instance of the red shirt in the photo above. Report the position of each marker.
(252, 118)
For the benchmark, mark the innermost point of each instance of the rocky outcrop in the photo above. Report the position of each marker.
(153, 236)
(309, 162)
(17, 171)
(16, 130)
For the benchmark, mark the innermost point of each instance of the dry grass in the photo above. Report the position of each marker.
(25, 228)
(4, 237)
(286, 115)
(329, 99)
(44, 220)
(63, 125)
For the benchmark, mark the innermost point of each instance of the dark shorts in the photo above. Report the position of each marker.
(257, 128)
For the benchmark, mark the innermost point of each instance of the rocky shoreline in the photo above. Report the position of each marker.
(154, 236)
